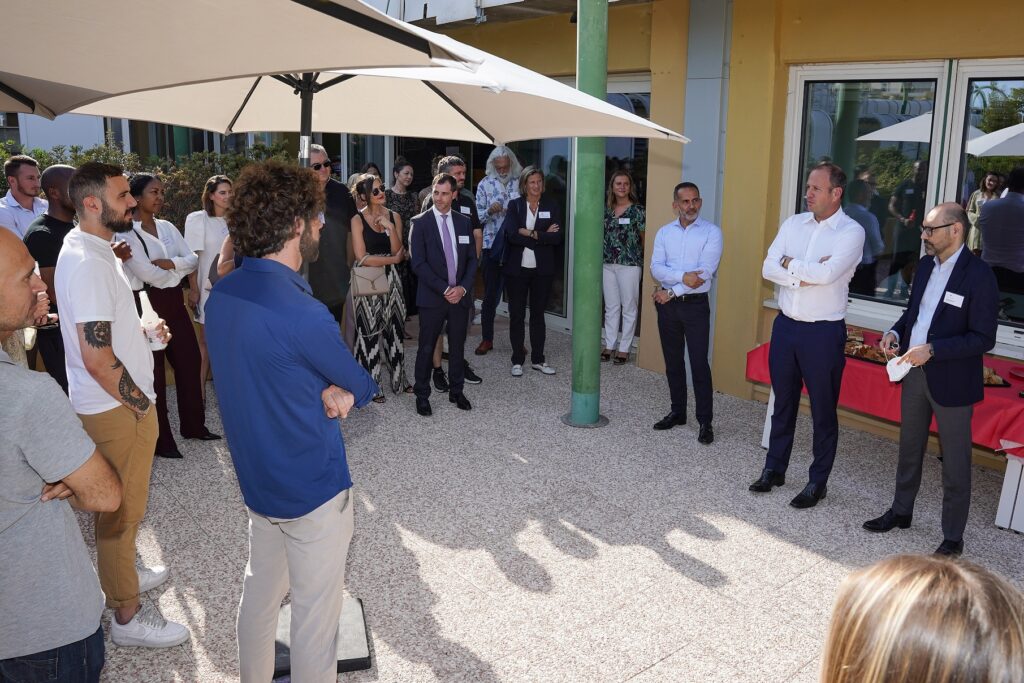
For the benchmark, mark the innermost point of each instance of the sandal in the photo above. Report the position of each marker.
(380, 398)
(409, 389)
(620, 359)
(606, 356)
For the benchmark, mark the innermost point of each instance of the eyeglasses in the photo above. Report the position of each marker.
(376, 191)
(928, 230)
(326, 164)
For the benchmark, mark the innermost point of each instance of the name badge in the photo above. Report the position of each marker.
(623, 221)
(465, 210)
(464, 239)
(954, 299)
(544, 214)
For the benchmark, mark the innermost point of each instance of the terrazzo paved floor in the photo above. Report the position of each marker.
(500, 545)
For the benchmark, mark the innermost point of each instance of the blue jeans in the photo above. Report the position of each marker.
(78, 662)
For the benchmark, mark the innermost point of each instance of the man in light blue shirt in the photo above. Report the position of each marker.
(686, 256)
(864, 278)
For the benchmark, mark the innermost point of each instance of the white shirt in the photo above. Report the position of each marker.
(679, 250)
(807, 242)
(530, 258)
(933, 292)
(91, 285)
(205, 235)
(170, 245)
(16, 217)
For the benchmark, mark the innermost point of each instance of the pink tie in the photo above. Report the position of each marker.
(449, 250)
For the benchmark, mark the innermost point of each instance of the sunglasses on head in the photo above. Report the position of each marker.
(326, 164)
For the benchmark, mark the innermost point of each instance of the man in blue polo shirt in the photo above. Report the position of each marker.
(283, 376)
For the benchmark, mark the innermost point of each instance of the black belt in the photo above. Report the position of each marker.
(690, 297)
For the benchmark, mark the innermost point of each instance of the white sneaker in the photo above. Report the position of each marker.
(151, 577)
(148, 628)
(544, 367)
(517, 370)
(476, 319)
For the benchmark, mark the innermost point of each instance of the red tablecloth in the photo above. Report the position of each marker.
(866, 388)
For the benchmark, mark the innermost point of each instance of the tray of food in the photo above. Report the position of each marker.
(866, 352)
(992, 378)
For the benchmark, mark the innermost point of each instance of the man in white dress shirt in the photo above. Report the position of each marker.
(21, 205)
(686, 256)
(812, 261)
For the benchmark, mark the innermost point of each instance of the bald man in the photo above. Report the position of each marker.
(44, 237)
(948, 326)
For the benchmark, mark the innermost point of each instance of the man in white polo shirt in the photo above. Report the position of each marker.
(110, 382)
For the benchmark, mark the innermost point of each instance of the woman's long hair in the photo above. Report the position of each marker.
(610, 196)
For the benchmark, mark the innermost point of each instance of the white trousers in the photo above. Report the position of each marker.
(306, 554)
(621, 292)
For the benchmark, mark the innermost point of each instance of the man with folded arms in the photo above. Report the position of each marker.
(948, 326)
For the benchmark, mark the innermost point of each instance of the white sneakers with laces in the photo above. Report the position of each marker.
(517, 370)
(151, 577)
(148, 628)
(543, 367)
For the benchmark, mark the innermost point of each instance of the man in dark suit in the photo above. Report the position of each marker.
(947, 328)
(1002, 234)
(444, 259)
(329, 274)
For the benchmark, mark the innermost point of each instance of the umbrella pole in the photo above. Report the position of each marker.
(306, 90)
(591, 78)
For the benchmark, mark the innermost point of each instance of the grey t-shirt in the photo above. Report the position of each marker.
(49, 592)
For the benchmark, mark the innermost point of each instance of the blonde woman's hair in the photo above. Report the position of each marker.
(925, 619)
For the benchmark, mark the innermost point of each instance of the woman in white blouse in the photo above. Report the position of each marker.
(205, 231)
(159, 260)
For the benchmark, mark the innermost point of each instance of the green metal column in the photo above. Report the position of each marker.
(180, 142)
(588, 204)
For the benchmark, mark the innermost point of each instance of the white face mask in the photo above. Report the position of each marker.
(897, 370)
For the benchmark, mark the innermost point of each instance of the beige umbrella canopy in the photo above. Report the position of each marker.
(61, 54)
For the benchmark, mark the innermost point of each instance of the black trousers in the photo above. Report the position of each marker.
(51, 347)
(527, 288)
(432, 321)
(864, 279)
(811, 354)
(684, 325)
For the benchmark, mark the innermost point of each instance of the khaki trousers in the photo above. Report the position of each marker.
(306, 554)
(128, 445)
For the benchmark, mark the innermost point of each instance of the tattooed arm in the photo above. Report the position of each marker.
(99, 359)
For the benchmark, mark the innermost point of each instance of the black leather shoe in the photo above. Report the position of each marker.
(440, 380)
(423, 407)
(670, 421)
(767, 480)
(810, 496)
(950, 548)
(887, 522)
(460, 401)
(470, 376)
(208, 436)
(706, 434)
(171, 452)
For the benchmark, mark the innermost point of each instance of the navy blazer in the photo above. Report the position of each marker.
(546, 244)
(959, 335)
(428, 260)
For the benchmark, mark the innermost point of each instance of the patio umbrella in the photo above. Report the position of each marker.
(1008, 142)
(497, 102)
(917, 129)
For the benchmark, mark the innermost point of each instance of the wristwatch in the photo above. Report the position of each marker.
(671, 294)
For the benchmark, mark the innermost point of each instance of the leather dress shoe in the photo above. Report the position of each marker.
(423, 407)
(887, 522)
(171, 452)
(706, 434)
(768, 480)
(950, 548)
(484, 347)
(470, 376)
(440, 380)
(460, 401)
(810, 496)
(670, 421)
(208, 436)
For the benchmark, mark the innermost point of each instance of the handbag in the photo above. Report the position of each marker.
(368, 280)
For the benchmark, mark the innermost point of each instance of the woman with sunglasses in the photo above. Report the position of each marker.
(379, 319)
(205, 231)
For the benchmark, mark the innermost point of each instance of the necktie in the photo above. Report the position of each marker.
(449, 250)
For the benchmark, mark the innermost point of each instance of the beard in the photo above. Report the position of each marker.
(309, 248)
(116, 223)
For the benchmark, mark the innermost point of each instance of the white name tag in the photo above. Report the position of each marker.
(465, 209)
(623, 221)
(464, 239)
(954, 299)
(544, 214)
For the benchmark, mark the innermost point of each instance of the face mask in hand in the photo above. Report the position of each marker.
(897, 370)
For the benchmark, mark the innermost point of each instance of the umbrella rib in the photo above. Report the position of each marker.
(459, 109)
(288, 80)
(334, 81)
(15, 95)
(367, 23)
(238, 113)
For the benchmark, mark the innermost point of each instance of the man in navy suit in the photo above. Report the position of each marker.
(947, 328)
(444, 259)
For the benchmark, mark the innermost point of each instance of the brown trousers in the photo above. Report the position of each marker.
(128, 444)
